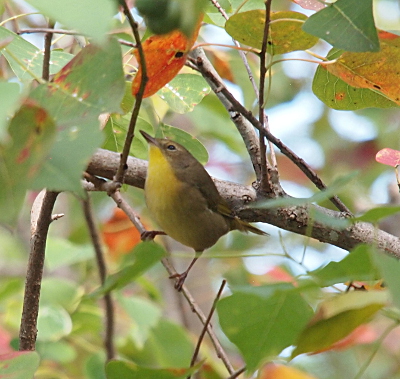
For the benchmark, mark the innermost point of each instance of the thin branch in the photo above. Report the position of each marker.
(237, 373)
(49, 30)
(102, 185)
(205, 326)
(47, 52)
(265, 183)
(39, 230)
(108, 302)
(119, 176)
(202, 64)
(202, 317)
(68, 32)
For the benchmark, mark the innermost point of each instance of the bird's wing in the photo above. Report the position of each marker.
(203, 182)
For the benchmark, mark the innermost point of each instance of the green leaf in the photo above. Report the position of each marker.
(285, 35)
(124, 369)
(344, 313)
(193, 145)
(337, 94)
(263, 321)
(90, 17)
(61, 292)
(358, 265)
(184, 92)
(91, 84)
(60, 253)
(116, 129)
(345, 24)
(146, 254)
(389, 268)
(26, 60)
(168, 345)
(32, 133)
(128, 101)
(60, 351)
(95, 366)
(53, 323)
(374, 215)
(9, 100)
(145, 315)
(19, 364)
(191, 10)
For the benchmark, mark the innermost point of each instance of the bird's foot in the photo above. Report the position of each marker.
(180, 280)
(149, 235)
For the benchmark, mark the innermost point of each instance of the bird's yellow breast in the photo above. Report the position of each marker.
(180, 209)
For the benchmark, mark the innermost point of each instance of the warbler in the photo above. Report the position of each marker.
(184, 201)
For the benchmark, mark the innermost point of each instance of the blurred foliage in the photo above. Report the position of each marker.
(287, 295)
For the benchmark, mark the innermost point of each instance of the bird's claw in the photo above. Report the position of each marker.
(149, 235)
(180, 280)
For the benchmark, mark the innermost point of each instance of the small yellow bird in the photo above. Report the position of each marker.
(184, 201)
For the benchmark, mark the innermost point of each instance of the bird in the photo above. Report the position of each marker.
(184, 201)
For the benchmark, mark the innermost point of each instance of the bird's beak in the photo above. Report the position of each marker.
(151, 140)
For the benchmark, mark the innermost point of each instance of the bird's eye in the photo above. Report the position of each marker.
(171, 147)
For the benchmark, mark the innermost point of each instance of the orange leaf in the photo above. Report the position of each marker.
(275, 371)
(220, 61)
(165, 55)
(362, 335)
(379, 72)
(119, 234)
(388, 156)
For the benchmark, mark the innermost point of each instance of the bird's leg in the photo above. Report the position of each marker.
(181, 277)
(148, 235)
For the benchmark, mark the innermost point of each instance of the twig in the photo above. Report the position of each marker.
(205, 326)
(241, 52)
(48, 30)
(108, 302)
(102, 185)
(47, 52)
(30, 311)
(119, 176)
(202, 317)
(237, 373)
(265, 184)
(67, 32)
(238, 107)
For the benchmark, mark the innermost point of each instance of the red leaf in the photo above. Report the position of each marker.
(388, 156)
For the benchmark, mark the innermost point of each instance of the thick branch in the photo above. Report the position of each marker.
(295, 218)
(30, 311)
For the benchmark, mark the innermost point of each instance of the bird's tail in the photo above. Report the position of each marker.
(244, 226)
(237, 223)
